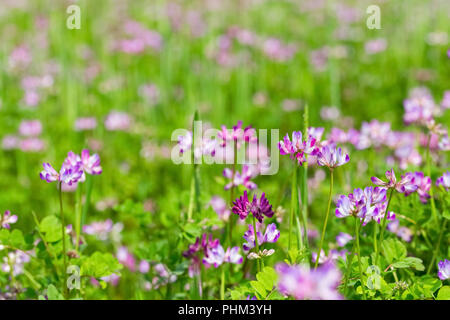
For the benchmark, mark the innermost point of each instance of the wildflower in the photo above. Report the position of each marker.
(100, 229)
(297, 148)
(445, 104)
(217, 256)
(220, 207)
(423, 184)
(258, 207)
(260, 254)
(343, 238)
(7, 219)
(444, 180)
(117, 121)
(333, 255)
(402, 232)
(144, 266)
(419, 107)
(303, 283)
(240, 178)
(91, 164)
(404, 185)
(331, 157)
(444, 269)
(68, 174)
(271, 235)
(30, 128)
(14, 262)
(237, 134)
(86, 123)
(126, 258)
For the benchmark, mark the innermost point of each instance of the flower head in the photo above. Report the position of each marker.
(271, 235)
(7, 219)
(331, 157)
(444, 180)
(240, 178)
(258, 207)
(444, 269)
(91, 164)
(404, 185)
(303, 283)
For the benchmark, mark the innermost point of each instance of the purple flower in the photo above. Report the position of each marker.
(126, 258)
(49, 174)
(303, 283)
(445, 104)
(444, 180)
(144, 266)
(331, 157)
(7, 219)
(297, 148)
(343, 238)
(237, 134)
(87, 123)
(402, 232)
(240, 178)
(444, 269)
(258, 207)
(91, 164)
(271, 235)
(217, 256)
(404, 185)
(419, 107)
(117, 121)
(423, 184)
(31, 128)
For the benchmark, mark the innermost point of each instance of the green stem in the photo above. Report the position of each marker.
(63, 231)
(383, 227)
(230, 224)
(438, 244)
(428, 159)
(256, 243)
(222, 284)
(359, 257)
(349, 266)
(78, 215)
(293, 204)
(89, 183)
(326, 219)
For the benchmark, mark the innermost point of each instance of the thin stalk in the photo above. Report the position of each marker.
(305, 183)
(89, 183)
(383, 227)
(222, 284)
(293, 204)
(428, 159)
(359, 257)
(230, 225)
(78, 216)
(326, 219)
(438, 244)
(256, 242)
(63, 231)
(349, 266)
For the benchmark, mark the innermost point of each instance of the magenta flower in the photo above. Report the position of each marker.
(84, 124)
(91, 164)
(402, 232)
(331, 157)
(220, 207)
(237, 134)
(303, 283)
(444, 269)
(404, 185)
(240, 178)
(7, 219)
(30, 128)
(118, 121)
(271, 235)
(444, 180)
(100, 229)
(68, 174)
(126, 258)
(423, 184)
(258, 207)
(297, 148)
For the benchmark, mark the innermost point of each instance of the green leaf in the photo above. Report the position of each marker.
(53, 293)
(51, 228)
(444, 293)
(16, 238)
(393, 250)
(100, 265)
(409, 262)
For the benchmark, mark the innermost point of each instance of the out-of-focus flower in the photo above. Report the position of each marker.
(445, 104)
(329, 113)
(419, 107)
(7, 219)
(303, 283)
(14, 262)
(126, 258)
(333, 255)
(10, 142)
(30, 128)
(258, 207)
(343, 238)
(297, 148)
(237, 135)
(444, 269)
(117, 121)
(444, 180)
(144, 266)
(402, 232)
(220, 207)
(423, 184)
(32, 144)
(332, 157)
(86, 123)
(100, 229)
(375, 46)
(404, 185)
